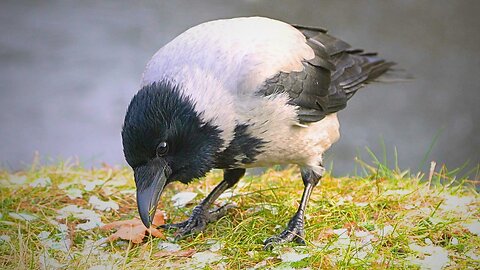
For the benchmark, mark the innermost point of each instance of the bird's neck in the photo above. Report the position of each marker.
(241, 151)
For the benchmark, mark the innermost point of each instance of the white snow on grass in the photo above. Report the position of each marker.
(91, 185)
(22, 216)
(216, 246)
(361, 204)
(432, 257)
(74, 193)
(166, 246)
(397, 192)
(454, 241)
(473, 255)
(452, 203)
(473, 226)
(98, 204)
(183, 198)
(263, 206)
(293, 256)
(385, 231)
(202, 259)
(228, 194)
(47, 262)
(103, 267)
(5, 238)
(92, 219)
(343, 240)
(48, 242)
(17, 179)
(41, 182)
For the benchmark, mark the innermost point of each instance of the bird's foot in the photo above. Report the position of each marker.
(197, 221)
(294, 232)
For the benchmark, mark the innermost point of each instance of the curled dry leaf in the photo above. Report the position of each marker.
(187, 253)
(134, 230)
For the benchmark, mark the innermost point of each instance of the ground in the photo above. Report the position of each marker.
(52, 217)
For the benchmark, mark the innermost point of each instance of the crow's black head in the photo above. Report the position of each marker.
(164, 140)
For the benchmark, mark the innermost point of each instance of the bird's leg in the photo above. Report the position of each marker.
(200, 214)
(295, 228)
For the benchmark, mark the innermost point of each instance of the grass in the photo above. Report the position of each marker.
(383, 219)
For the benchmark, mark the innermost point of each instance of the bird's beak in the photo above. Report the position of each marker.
(150, 180)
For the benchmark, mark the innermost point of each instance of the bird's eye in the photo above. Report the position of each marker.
(162, 149)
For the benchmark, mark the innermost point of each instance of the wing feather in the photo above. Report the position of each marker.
(329, 79)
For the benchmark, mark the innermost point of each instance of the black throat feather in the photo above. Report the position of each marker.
(160, 112)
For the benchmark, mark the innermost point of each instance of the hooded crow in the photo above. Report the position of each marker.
(240, 93)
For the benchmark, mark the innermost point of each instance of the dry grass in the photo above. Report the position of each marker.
(386, 218)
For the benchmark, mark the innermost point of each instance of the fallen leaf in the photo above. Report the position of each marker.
(187, 253)
(350, 226)
(134, 230)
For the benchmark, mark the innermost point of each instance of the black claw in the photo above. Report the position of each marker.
(293, 232)
(197, 222)
(219, 212)
(173, 225)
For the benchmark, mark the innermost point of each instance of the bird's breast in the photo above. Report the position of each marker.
(284, 140)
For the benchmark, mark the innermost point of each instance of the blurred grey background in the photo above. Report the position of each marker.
(69, 68)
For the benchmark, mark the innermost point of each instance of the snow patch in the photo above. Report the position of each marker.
(5, 238)
(472, 226)
(201, 259)
(74, 193)
(293, 256)
(91, 185)
(183, 198)
(41, 182)
(22, 216)
(166, 246)
(433, 257)
(93, 220)
(103, 205)
(48, 262)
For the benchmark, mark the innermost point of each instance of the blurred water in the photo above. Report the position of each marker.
(69, 68)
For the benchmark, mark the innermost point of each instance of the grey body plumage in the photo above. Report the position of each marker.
(240, 93)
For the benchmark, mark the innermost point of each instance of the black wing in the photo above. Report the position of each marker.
(328, 80)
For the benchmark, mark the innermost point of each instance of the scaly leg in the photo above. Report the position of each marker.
(295, 228)
(201, 216)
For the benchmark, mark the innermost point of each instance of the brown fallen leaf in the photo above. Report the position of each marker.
(134, 230)
(177, 254)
